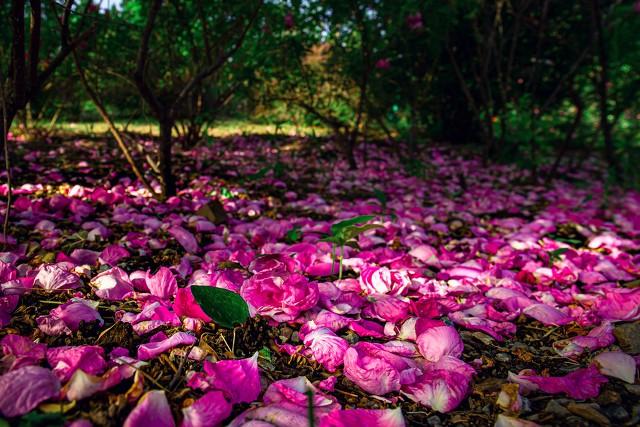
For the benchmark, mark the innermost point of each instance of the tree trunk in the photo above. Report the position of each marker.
(602, 83)
(166, 159)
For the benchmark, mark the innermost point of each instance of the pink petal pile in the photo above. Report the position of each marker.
(466, 250)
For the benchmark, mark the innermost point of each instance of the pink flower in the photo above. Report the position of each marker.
(439, 341)
(414, 22)
(185, 238)
(375, 370)
(443, 385)
(292, 395)
(112, 284)
(364, 417)
(580, 384)
(210, 410)
(619, 304)
(289, 21)
(281, 296)
(66, 360)
(381, 280)
(152, 410)
(67, 318)
(327, 348)
(617, 364)
(383, 64)
(54, 276)
(162, 284)
(153, 349)
(25, 388)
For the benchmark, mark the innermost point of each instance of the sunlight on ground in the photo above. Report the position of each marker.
(221, 129)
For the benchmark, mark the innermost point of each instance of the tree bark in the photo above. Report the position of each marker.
(166, 159)
(602, 83)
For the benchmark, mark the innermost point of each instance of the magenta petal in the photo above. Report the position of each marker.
(239, 379)
(364, 417)
(152, 410)
(439, 341)
(185, 238)
(208, 411)
(66, 360)
(153, 349)
(580, 384)
(112, 254)
(20, 351)
(162, 284)
(186, 305)
(23, 389)
(270, 416)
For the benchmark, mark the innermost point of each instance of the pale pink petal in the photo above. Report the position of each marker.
(152, 410)
(112, 284)
(153, 349)
(54, 276)
(24, 388)
(439, 341)
(617, 364)
(507, 421)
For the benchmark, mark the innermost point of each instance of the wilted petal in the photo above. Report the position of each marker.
(580, 384)
(163, 284)
(152, 410)
(185, 238)
(547, 315)
(153, 349)
(20, 351)
(327, 348)
(112, 254)
(112, 284)
(439, 341)
(66, 360)
(617, 364)
(68, 317)
(53, 276)
(364, 417)
(23, 389)
(208, 411)
(239, 379)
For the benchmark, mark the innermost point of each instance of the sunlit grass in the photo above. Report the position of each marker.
(220, 129)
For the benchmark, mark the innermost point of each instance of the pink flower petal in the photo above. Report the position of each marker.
(239, 379)
(327, 348)
(152, 410)
(163, 284)
(580, 384)
(208, 411)
(617, 364)
(439, 341)
(185, 238)
(364, 417)
(112, 284)
(23, 389)
(153, 349)
(66, 360)
(54, 276)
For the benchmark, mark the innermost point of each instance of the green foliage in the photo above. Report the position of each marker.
(344, 233)
(225, 307)
(39, 419)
